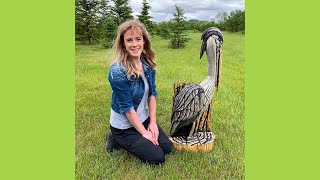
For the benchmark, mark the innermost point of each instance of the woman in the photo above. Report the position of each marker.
(132, 79)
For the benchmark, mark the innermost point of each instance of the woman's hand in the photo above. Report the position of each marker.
(148, 135)
(153, 128)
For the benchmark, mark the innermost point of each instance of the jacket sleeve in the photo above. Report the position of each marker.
(153, 84)
(120, 88)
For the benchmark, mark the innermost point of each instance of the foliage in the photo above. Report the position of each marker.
(236, 21)
(92, 112)
(121, 11)
(178, 28)
(104, 9)
(109, 28)
(88, 14)
(220, 20)
(144, 16)
(163, 29)
(221, 17)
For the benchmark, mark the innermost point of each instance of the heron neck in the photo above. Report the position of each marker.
(211, 55)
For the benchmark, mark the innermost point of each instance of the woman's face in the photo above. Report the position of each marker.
(133, 42)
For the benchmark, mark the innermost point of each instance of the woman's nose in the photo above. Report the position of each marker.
(134, 43)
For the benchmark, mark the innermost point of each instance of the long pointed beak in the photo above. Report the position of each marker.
(203, 48)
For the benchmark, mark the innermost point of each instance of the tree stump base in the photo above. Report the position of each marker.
(199, 142)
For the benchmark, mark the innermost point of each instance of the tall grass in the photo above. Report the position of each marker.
(93, 95)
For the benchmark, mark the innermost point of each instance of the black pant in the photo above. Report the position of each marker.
(132, 141)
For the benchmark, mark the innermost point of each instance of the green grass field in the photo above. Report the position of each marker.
(93, 95)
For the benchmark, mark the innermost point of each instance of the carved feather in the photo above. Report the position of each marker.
(188, 106)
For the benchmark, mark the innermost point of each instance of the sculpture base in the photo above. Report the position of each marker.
(199, 142)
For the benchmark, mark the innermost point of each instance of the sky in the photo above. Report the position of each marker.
(162, 10)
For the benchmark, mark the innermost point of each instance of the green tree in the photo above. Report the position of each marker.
(121, 11)
(104, 8)
(221, 17)
(144, 16)
(236, 21)
(178, 38)
(163, 29)
(109, 29)
(87, 20)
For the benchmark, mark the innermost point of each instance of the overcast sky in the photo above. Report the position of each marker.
(162, 10)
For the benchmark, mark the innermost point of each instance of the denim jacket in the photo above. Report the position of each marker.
(127, 93)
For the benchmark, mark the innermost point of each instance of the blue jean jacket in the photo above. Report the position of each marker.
(127, 93)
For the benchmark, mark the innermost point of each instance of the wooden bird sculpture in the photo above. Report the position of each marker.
(192, 103)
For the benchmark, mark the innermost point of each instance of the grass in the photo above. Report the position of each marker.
(93, 95)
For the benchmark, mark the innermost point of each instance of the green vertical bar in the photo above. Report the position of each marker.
(37, 89)
(282, 89)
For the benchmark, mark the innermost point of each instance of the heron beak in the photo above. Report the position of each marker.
(203, 48)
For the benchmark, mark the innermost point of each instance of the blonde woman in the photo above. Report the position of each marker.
(133, 105)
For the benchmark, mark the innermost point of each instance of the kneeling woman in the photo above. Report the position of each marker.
(132, 79)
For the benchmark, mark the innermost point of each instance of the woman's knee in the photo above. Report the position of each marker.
(157, 158)
(167, 148)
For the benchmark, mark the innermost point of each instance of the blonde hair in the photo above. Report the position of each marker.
(121, 55)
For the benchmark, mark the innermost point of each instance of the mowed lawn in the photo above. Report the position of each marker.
(93, 95)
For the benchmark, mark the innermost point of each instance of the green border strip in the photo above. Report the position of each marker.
(37, 90)
(282, 90)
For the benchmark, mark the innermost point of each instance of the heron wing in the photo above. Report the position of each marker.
(188, 105)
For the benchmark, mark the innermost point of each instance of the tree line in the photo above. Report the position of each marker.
(97, 21)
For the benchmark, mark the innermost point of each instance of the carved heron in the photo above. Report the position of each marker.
(192, 104)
